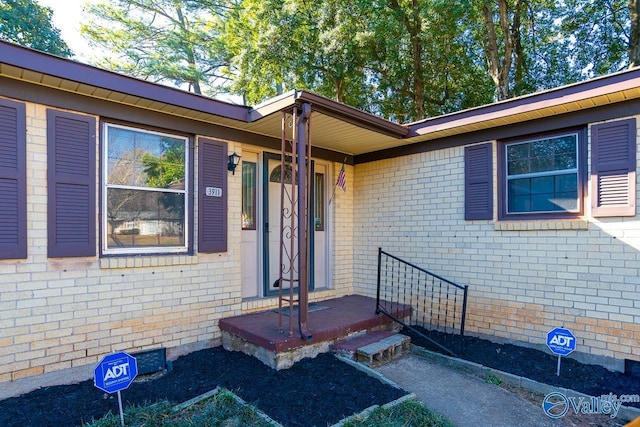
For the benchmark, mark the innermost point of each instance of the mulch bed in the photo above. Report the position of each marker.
(314, 392)
(534, 364)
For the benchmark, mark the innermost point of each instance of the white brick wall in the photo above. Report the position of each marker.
(63, 313)
(524, 277)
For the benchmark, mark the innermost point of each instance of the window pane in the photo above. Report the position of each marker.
(518, 167)
(138, 218)
(542, 185)
(545, 155)
(542, 175)
(248, 196)
(143, 159)
(318, 202)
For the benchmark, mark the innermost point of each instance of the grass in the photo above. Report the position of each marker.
(225, 409)
(409, 413)
(222, 409)
(492, 379)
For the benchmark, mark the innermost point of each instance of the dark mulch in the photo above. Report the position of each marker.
(314, 392)
(534, 364)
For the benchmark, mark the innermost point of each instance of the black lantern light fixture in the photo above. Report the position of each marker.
(234, 160)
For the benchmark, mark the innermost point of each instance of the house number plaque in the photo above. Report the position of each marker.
(213, 191)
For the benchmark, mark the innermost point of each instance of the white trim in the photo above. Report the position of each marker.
(105, 250)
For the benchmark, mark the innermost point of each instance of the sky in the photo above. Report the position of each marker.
(67, 16)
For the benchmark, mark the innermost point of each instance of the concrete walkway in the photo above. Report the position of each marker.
(463, 398)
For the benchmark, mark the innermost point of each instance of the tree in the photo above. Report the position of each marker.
(28, 24)
(420, 61)
(598, 38)
(401, 60)
(278, 44)
(634, 37)
(161, 40)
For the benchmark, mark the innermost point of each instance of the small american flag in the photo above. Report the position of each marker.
(342, 179)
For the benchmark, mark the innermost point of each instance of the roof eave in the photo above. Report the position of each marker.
(44, 63)
(330, 108)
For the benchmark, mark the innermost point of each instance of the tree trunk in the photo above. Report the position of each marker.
(498, 67)
(518, 51)
(194, 83)
(413, 25)
(634, 40)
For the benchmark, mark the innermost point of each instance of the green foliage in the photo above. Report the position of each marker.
(410, 413)
(492, 379)
(222, 409)
(599, 36)
(173, 41)
(167, 170)
(28, 24)
(401, 60)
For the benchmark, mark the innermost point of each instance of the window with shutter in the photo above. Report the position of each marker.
(71, 174)
(13, 180)
(542, 177)
(478, 168)
(613, 168)
(212, 195)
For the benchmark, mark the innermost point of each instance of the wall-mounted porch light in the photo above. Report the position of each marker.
(234, 160)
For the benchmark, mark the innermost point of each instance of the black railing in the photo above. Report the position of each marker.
(438, 306)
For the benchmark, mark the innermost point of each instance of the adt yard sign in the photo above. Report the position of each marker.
(561, 341)
(115, 372)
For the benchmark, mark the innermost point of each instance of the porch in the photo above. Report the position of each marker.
(330, 321)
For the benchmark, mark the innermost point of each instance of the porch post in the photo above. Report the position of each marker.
(304, 180)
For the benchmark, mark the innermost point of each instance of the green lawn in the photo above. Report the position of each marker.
(223, 408)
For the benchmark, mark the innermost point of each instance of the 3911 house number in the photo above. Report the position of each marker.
(213, 191)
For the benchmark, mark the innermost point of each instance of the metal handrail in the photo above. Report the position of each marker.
(408, 285)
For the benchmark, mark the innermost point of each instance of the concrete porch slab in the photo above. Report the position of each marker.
(257, 334)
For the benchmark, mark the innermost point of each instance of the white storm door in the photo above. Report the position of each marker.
(249, 236)
(320, 227)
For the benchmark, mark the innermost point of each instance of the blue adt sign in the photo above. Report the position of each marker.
(561, 341)
(115, 372)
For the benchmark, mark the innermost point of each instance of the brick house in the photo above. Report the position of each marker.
(530, 202)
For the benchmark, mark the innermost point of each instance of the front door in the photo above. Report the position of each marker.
(274, 214)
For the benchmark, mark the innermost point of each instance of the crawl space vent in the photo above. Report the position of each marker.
(151, 361)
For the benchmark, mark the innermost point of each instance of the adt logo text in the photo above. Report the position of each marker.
(560, 340)
(116, 371)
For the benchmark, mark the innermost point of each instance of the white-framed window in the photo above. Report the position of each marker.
(542, 176)
(145, 191)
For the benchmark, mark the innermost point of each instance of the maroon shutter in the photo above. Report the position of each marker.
(613, 168)
(478, 182)
(212, 195)
(71, 142)
(13, 180)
